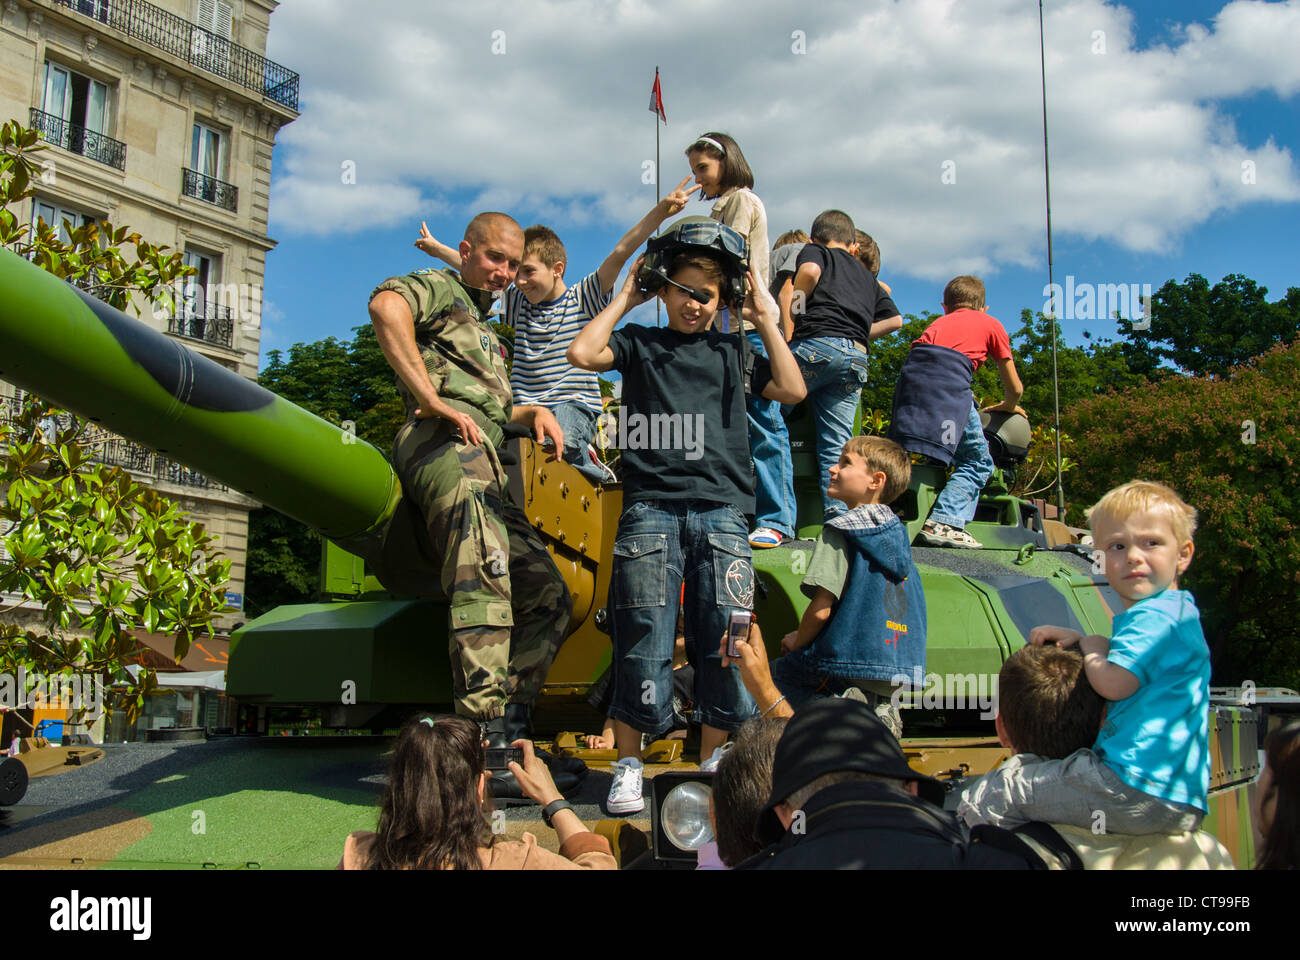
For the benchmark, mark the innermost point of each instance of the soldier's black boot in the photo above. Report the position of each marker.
(502, 781)
(567, 772)
(519, 721)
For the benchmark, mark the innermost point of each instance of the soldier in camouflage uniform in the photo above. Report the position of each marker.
(510, 607)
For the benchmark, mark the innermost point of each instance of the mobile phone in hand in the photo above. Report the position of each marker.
(737, 629)
(499, 758)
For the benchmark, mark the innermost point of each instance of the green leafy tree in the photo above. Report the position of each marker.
(101, 554)
(887, 356)
(1231, 447)
(1081, 372)
(1208, 330)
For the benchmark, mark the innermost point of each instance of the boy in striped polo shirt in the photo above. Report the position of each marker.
(546, 315)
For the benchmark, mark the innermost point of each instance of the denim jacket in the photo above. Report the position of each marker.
(877, 630)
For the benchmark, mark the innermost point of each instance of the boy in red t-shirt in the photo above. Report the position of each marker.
(933, 401)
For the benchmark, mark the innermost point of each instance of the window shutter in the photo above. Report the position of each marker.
(222, 19)
(207, 15)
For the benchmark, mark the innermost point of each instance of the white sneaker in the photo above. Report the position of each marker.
(625, 791)
(711, 765)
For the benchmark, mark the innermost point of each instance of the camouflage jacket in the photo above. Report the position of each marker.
(465, 361)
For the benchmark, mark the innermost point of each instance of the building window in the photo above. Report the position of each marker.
(205, 176)
(96, 9)
(208, 148)
(74, 115)
(200, 314)
(54, 215)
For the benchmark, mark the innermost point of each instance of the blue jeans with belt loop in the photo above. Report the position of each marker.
(834, 370)
(769, 445)
(659, 544)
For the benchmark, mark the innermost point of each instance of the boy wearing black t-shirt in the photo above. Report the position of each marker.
(687, 489)
(838, 308)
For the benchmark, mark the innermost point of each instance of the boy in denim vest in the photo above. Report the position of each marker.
(866, 623)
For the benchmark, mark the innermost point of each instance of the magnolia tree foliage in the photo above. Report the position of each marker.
(101, 554)
(1230, 446)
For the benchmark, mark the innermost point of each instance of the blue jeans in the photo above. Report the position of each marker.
(659, 544)
(769, 445)
(834, 370)
(971, 469)
(578, 422)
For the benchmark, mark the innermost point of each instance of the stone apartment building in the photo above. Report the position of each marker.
(161, 117)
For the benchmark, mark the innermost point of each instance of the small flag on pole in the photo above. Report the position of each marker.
(657, 99)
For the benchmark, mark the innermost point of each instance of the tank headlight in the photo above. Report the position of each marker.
(685, 816)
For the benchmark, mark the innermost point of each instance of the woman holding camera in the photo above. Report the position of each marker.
(433, 814)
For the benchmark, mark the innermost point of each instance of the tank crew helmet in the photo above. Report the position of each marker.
(697, 235)
(1008, 436)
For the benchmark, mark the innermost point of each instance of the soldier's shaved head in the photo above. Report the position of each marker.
(491, 251)
(485, 223)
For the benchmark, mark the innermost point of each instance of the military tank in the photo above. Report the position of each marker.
(375, 648)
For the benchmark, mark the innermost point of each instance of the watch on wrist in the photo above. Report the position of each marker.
(554, 807)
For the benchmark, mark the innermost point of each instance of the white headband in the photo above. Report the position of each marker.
(714, 143)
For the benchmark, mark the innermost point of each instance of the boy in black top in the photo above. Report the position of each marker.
(687, 489)
(838, 308)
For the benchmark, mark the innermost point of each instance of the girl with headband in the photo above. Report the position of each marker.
(722, 173)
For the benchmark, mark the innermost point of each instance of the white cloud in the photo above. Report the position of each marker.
(556, 128)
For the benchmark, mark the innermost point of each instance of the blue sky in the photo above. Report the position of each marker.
(1174, 131)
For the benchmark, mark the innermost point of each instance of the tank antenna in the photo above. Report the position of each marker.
(1051, 286)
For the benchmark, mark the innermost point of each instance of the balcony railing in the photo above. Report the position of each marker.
(75, 138)
(195, 184)
(208, 322)
(193, 44)
(109, 448)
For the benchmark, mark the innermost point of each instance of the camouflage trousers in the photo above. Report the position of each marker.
(510, 607)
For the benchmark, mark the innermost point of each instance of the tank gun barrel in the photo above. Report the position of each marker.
(114, 370)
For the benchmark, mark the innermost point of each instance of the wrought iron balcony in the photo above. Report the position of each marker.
(208, 322)
(75, 138)
(202, 187)
(109, 448)
(191, 43)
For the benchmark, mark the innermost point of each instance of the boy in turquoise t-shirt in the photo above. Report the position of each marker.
(1149, 771)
